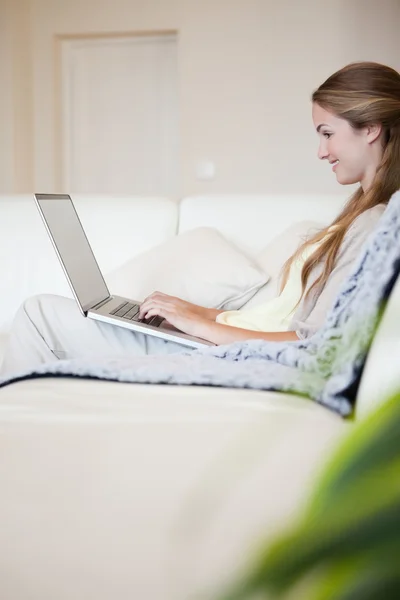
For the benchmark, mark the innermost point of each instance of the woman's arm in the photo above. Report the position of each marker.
(200, 322)
(225, 334)
(211, 313)
(189, 319)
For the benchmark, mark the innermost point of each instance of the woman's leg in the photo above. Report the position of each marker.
(48, 328)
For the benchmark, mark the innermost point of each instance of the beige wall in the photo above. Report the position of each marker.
(6, 99)
(16, 104)
(247, 69)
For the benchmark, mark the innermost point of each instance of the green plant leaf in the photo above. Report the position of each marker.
(357, 578)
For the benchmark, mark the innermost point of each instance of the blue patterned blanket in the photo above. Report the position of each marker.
(325, 368)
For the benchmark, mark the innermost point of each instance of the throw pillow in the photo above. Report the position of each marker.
(272, 258)
(199, 266)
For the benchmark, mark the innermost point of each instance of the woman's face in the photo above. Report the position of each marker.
(352, 153)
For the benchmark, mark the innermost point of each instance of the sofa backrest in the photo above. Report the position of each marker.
(381, 375)
(118, 227)
(252, 221)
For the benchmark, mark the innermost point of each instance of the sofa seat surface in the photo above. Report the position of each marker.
(76, 398)
(112, 490)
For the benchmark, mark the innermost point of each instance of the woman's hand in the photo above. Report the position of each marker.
(160, 299)
(184, 316)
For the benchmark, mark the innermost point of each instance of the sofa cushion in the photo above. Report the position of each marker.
(200, 266)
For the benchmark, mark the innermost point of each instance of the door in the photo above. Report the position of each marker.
(120, 131)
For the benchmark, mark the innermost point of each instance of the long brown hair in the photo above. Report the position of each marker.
(363, 93)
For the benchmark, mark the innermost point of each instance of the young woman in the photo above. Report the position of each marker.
(356, 114)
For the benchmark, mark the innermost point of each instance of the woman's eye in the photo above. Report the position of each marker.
(327, 135)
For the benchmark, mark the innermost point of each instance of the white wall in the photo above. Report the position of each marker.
(247, 69)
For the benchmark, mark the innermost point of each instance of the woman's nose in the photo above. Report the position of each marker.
(322, 152)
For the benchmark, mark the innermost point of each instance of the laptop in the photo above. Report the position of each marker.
(86, 280)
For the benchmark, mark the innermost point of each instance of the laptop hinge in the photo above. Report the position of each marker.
(101, 303)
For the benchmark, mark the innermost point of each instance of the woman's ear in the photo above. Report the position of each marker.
(373, 132)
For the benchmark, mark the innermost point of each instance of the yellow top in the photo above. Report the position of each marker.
(276, 314)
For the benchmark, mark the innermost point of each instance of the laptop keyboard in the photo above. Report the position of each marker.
(130, 311)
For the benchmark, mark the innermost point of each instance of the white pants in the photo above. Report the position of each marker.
(48, 328)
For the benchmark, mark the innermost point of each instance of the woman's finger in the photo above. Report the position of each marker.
(146, 305)
(162, 300)
(155, 306)
(157, 311)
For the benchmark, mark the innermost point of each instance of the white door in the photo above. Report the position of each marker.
(120, 115)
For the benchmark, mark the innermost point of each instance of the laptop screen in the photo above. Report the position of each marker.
(73, 249)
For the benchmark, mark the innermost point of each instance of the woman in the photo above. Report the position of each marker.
(356, 113)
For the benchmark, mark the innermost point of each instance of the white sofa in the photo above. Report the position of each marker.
(113, 490)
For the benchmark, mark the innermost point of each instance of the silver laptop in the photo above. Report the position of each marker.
(86, 280)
